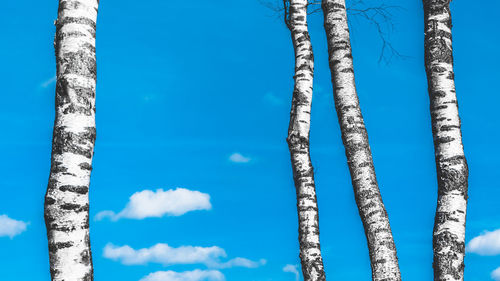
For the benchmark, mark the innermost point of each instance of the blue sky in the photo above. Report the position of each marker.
(196, 95)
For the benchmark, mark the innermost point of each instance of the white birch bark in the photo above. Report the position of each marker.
(298, 142)
(66, 200)
(452, 170)
(375, 220)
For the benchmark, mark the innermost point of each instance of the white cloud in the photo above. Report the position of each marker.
(10, 227)
(195, 275)
(148, 203)
(495, 275)
(486, 244)
(166, 255)
(238, 158)
(49, 82)
(292, 269)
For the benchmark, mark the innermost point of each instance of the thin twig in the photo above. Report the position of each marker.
(380, 16)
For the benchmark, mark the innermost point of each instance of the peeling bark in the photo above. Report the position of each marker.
(66, 200)
(298, 143)
(451, 165)
(375, 220)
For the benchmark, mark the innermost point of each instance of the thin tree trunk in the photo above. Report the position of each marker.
(381, 245)
(66, 200)
(452, 171)
(298, 143)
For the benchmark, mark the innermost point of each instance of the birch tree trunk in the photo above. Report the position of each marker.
(452, 171)
(381, 245)
(298, 143)
(66, 200)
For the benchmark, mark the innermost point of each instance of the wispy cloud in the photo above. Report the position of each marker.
(486, 244)
(318, 89)
(48, 82)
(163, 254)
(239, 158)
(495, 275)
(239, 262)
(273, 99)
(159, 203)
(10, 227)
(166, 255)
(292, 269)
(195, 275)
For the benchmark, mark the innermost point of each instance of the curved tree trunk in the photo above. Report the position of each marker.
(452, 171)
(381, 245)
(298, 143)
(66, 200)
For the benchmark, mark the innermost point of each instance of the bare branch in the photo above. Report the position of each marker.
(380, 16)
(279, 6)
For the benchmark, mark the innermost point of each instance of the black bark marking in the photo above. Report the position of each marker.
(77, 143)
(82, 63)
(75, 189)
(446, 128)
(53, 247)
(81, 20)
(86, 166)
(49, 200)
